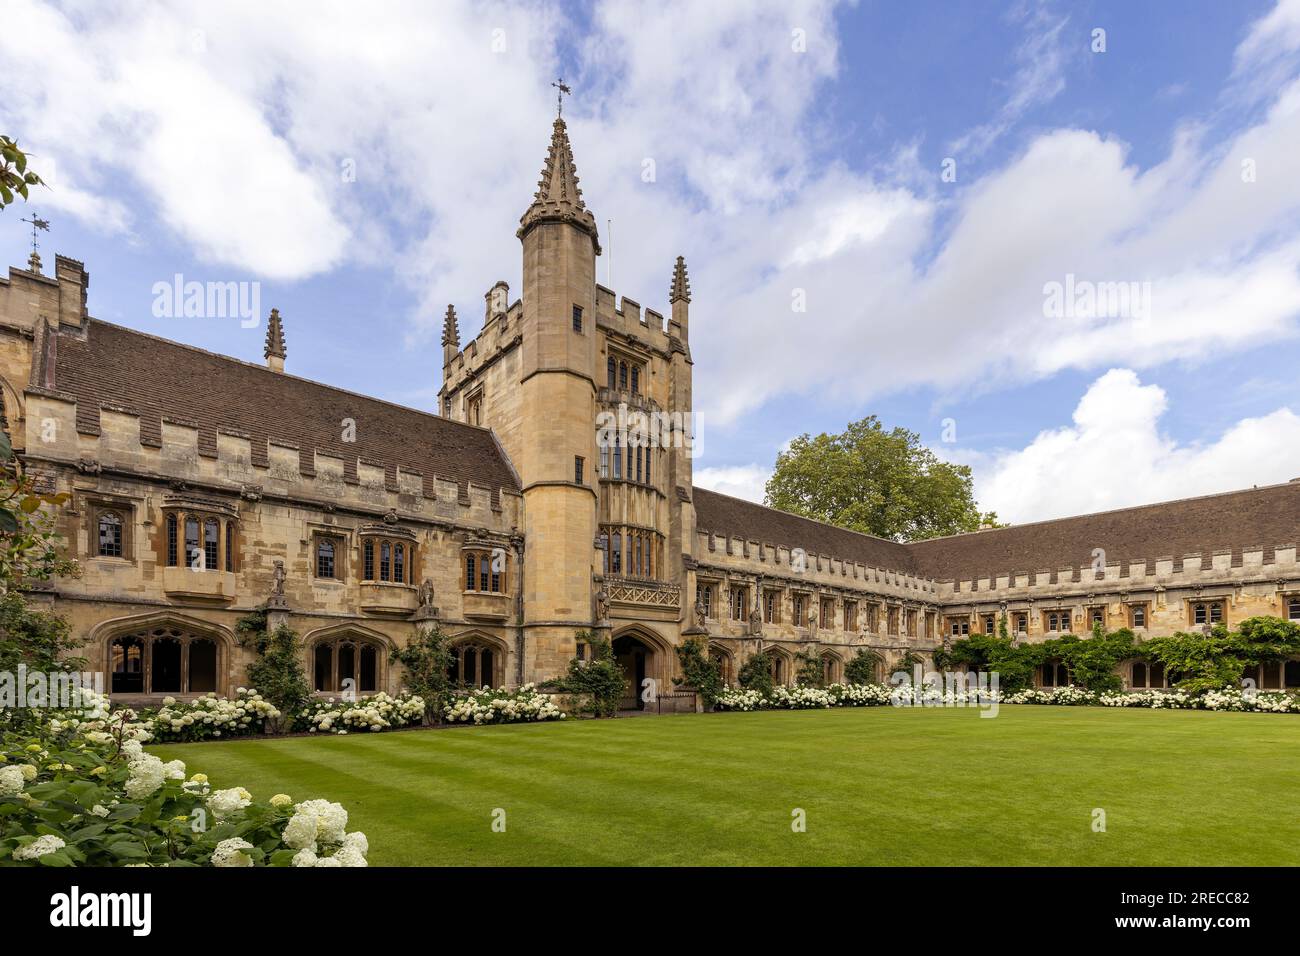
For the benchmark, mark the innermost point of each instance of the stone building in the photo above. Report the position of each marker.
(551, 496)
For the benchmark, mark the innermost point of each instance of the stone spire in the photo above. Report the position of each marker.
(558, 198)
(450, 337)
(274, 353)
(681, 284)
(451, 329)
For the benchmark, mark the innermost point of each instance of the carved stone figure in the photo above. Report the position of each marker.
(276, 601)
(426, 593)
(602, 600)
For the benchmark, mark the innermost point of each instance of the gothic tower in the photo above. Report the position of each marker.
(557, 448)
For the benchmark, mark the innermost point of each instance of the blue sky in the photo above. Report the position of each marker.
(795, 147)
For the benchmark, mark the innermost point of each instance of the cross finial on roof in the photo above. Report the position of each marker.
(561, 90)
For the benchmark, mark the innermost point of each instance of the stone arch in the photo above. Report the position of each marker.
(782, 665)
(832, 667)
(163, 653)
(478, 658)
(347, 658)
(643, 655)
(721, 653)
(11, 411)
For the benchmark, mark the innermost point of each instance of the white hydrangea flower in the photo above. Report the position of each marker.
(231, 853)
(300, 832)
(11, 781)
(330, 818)
(305, 857)
(41, 846)
(350, 856)
(147, 774)
(224, 803)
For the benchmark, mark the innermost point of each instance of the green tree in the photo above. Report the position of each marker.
(15, 177)
(756, 673)
(277, 672)
(699, 670)
(600, 681)
(426, 659)
(30, 548)
(808, 670)
(884, 483)
(862, 668)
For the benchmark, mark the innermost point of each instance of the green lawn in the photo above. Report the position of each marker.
(879, 785)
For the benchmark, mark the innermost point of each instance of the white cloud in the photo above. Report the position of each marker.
(739, 481)
(147, 96)
(1114, 455)
(1272, 35)
(1039, 77)
(238, 144)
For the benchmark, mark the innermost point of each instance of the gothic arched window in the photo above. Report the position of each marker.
(164, 660)
(346, 664)
(474, 665)
(388, 560)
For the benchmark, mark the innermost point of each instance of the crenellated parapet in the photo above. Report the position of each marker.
(781, 565)
(1272, 564)
(239, 465)
(624, 320)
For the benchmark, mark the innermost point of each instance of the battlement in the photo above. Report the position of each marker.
(239, 465)
(817, 569)
(626, 317)
(500, 333)
(27, 298)
(1187, 572)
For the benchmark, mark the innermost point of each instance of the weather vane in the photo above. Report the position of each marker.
(561, 92)
(34, 260)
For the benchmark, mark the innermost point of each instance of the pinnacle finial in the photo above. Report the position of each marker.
(681, 283)
(558, 198)
(450, 329)
(274, 337)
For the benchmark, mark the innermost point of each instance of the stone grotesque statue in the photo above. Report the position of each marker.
(276, 601)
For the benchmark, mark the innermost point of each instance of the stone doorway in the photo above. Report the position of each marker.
(637, 658)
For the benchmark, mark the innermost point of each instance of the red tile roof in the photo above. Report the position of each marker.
(1265, 517)
(156, 378)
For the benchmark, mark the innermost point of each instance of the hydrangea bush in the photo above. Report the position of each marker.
(500, 706)
(379, 712)
(875, 695)
(208, 717)
(80, 790)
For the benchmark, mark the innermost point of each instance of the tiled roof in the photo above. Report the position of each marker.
(1268, 517)
(738, 518)
(156, 378)
(1259, 517)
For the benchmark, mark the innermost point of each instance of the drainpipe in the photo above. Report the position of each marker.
(519, 617)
